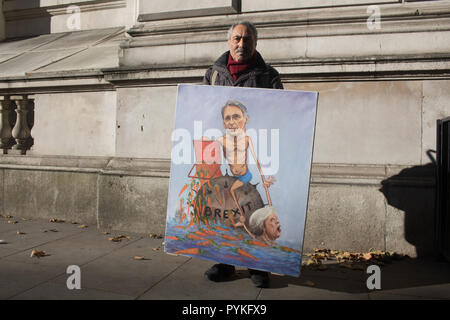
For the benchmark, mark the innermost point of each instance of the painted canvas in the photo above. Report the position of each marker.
(240, 173)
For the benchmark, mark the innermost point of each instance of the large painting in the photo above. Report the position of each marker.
(240, 173)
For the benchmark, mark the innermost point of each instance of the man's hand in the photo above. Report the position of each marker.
(268, 181)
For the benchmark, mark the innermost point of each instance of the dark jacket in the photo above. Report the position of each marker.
(260, 75)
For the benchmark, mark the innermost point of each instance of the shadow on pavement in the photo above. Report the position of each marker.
(405, 273)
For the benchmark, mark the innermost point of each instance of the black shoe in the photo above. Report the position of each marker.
(219, 272)
(259, 278)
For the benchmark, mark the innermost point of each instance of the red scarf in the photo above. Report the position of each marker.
(236, 68)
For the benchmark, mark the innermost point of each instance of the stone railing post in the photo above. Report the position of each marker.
(6, 139)
(21, 131)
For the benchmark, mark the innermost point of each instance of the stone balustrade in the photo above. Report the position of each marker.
(16, 122)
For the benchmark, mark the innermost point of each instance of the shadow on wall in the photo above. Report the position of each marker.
(28, 22)
(413, 191)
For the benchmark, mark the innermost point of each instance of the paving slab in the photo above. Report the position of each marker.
(109, 271)
(17, 277)
(33, 234)
(19, 46)
(129, 276)
(92, 58)
(80, 39)
(55, 291)
(188, 282)
(30, 61)
(4, 57)
(333, 270)
(415, 273)
(76, 249)
(6, 251)
(438, 291)
(314, 287)
(391, 296)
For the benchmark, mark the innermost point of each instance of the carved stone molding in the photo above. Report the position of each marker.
(321, 173)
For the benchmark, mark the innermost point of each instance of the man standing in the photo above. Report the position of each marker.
(241, 66)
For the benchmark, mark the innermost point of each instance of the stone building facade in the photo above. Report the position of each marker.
(88, 92)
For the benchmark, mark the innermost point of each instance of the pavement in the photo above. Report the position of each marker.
(110, 271)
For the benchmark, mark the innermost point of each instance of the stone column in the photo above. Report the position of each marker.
(6, 139)
(21, 131)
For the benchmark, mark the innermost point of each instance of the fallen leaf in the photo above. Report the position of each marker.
(38, 254)
(104, 232)
(155, 249)
(367, 256)
(50, 230)
(139, 258)
(12, 221)
(74, 222)
(82, 226)
(56, 220)
(19, 232)
(311, 262)
(155, 236)
(119, 238)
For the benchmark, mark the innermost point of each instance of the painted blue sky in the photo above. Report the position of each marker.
(292, 113)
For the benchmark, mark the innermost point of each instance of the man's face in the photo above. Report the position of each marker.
(242, 43)
(234, 120)
(272, 227)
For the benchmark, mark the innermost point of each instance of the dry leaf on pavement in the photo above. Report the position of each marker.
(56, 220)
(12, 221)
(119, 238)
(82, 226)
(38, 254)
(367, 256)
(139, 258)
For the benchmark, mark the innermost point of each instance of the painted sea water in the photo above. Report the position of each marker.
(221, 244)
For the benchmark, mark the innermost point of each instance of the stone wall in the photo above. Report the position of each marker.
(374, 189)
(2, 22)
(102, 145)
(30, 17)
